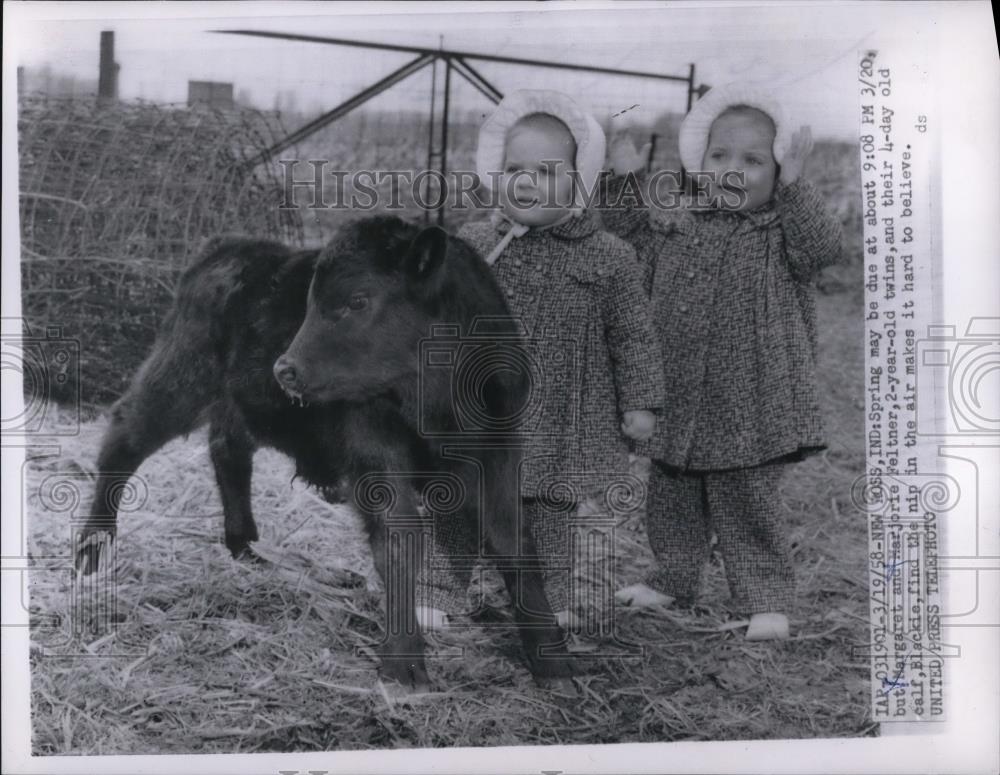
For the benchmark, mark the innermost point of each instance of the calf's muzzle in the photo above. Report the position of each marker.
(288, 377)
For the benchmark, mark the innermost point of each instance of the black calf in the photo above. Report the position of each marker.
(347, 398)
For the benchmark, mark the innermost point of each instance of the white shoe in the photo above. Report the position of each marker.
(641, 596)
(768, 626)
(564, 619)
(431, 618)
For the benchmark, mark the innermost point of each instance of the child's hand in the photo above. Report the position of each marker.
(639, 424)
(623, 157)
(798, 151)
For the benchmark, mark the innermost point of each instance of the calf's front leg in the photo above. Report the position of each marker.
(396, 536)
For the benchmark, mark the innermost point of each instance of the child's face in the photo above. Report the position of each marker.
(537, 181)
(742, 141)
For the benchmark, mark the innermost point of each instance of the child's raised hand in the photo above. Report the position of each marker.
(798, 151)
(623, 157)
(639, 424)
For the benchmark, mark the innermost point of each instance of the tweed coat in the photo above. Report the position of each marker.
(578, 293)
(732, 296)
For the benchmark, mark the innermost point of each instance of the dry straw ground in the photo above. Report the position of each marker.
(209, 655)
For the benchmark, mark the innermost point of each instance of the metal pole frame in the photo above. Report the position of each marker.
(345, 107)
(691, 89)
(474, 77)
(444, 133)
(430, 127)
(454, 60)
(463, 54)
(107, 76)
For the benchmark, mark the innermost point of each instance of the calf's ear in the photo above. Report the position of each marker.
(427, 253)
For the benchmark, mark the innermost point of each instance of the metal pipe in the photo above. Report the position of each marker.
(107, 76)
(477, 79)
(691, 89)
(345, 107)
(430, 130)
(462, 54)
(475, 84)
(444, 134)
(652, 151)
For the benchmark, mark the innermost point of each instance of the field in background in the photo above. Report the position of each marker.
(214, 656)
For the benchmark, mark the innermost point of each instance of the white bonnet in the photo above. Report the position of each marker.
(698, 123)
(589, 137)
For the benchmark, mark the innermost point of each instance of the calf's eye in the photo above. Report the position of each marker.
(359, 302)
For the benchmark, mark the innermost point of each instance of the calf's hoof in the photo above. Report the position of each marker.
(403, 677)
(553, 667)
(556, 666)
(241, 550)
(88, 555)
(559, 685)
(345, 578)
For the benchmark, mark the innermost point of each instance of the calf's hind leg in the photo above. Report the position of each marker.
(169, 397)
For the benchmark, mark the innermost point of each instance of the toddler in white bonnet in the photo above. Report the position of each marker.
(731, 286)
(578, 294)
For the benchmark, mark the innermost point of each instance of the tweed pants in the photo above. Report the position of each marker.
(550, 526)
(445, 583)
(741, 506)
(444, 580)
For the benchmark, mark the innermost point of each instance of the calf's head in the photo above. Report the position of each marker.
(374, 294)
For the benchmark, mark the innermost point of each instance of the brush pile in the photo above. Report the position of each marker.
(114, 200)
